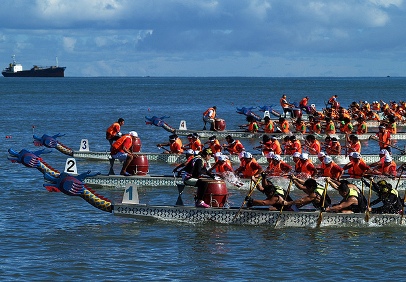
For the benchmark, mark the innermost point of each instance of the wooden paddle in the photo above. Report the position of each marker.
(346, 145)
(252, 188)
(322, 205)
(369, 200)
(287, 195)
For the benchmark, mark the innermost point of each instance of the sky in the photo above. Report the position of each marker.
(209, 38)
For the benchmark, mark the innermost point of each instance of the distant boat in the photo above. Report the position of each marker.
(16, 70)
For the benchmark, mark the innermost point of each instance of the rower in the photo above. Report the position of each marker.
(249, 168)
(312, 144)
(357, 166)
(331, 169)
(277, 166)
(353, 200)
(214, 144)
(175, 145)
(389, 197)
(275, 196)
(384, 137)
(189, 153)
(252, 125)
(234, 147)
(387, 168)
(314, 194)
(305, 166)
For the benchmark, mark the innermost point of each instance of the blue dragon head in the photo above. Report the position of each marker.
(25, 157)
(46, 140)
(156, 120)
(245, 111)
(67, 183)
(266, 108)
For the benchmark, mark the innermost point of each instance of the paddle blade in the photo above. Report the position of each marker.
(320, 219)
(367, 216)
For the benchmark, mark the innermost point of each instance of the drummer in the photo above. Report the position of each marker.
(209, 117)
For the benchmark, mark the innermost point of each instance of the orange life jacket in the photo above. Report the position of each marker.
(303, 167)
(112, 130)
(384, 138)
(118, 145)
(248, 170)
(285, 127)
(213, 114)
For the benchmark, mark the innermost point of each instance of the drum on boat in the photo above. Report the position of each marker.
(139, 165)
(214, 192)
(137, 145)
(297, 113)
(219, 124)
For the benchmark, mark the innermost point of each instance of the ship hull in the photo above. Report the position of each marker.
(46, 72)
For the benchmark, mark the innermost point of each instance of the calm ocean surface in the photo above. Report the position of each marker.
(52, 237)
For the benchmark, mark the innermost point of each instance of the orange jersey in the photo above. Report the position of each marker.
(176, 147)
(113, 130)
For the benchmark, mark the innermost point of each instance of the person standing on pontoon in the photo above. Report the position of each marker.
(286, 106)
(113, 132)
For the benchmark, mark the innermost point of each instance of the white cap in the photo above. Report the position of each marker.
(304, 156)
(277, 158)
(356, 155)
(247, 155)
(241, 155)
(218, 154)
(189, 152)
(321, 154)
(222, 158)
(388, 159)
(270, 155)
(383, 152)
(133, 133)
(296, 155)
(327, 159)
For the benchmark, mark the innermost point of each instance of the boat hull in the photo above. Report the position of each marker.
(119, 181)
(175, 158)
(255, 216)
(245, 134)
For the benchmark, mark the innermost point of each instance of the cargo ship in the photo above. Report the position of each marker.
(16, 70)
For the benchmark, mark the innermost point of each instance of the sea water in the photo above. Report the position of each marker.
(50, 236)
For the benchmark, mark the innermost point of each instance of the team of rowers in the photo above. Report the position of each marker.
(199, 159)
(303, 166)
(331, 120)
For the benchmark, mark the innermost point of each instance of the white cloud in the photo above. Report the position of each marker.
(199, 33)
(69, 44)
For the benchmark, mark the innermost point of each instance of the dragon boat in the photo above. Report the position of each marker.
(183, 131)
(84, 152)
(214, 192)
(274, 115)
(261, 159)
(119, 181)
